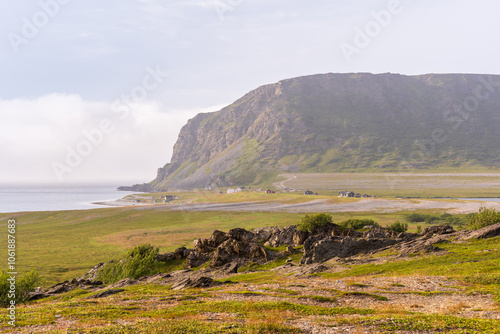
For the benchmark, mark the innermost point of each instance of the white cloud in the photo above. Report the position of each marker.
(37, 132)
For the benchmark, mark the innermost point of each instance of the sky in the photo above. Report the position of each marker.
(97, 91)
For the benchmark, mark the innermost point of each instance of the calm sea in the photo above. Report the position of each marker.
(56, 197)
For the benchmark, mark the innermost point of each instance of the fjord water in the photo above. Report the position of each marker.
(18, 198)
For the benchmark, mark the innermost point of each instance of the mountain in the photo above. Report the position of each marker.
(340, 122)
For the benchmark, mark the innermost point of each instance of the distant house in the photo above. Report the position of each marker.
(347, 194)
(232, 191)
(308, 192)
(269, 191)
(169, 198)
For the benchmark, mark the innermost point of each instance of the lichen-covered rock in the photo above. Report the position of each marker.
(241, 234)
(282, 236)
(202, 246)
(217, 238)
(196, 259)
(202, 282)
(441, 229)
(300, 237)
(485, 232)
(319, 250)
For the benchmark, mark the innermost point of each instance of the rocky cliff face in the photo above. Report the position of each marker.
(339, 122)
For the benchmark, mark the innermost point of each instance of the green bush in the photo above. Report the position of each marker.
(484, 217)
(357, 224)
(416, 218)
(311, 222)
(445, 218)
(421, 218)
(398, 227)
(138, 262)
(23, 286)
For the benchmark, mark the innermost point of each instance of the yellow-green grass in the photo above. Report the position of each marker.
(475, 262)
(65, 244)
(158, 309)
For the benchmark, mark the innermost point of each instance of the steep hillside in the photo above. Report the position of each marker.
(340, 122)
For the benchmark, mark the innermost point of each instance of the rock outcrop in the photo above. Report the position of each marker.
(229, 251)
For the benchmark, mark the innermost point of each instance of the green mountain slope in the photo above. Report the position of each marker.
(340, 122)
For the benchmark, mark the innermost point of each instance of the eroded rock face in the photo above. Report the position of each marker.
(217, 238)
(196, 259)
(282, 236)
(233, 250)
(343, 243)
(485, 232)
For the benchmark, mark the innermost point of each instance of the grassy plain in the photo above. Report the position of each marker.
(65, 244)
(422, 184)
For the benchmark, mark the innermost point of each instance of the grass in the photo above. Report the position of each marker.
(465, 261)
(158, 309)
(62, 245)
(427, 323)
(438, 183)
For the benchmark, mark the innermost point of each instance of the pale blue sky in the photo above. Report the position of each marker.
(62, 78)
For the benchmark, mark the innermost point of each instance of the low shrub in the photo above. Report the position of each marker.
(398, 227)
(311, 222)
(138, 262)
(357, 224)
(23, 286)
(416, 217)
(445, 218)
(484, 217)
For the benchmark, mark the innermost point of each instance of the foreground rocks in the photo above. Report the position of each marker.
(222, 254)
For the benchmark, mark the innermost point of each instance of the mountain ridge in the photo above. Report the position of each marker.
(339, 122)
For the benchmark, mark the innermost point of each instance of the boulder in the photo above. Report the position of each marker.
(232, 268)
(316, 251)
(282, 236)
(66, 286)
(196, 259)
(106, 293)
(485, 232)
(441, 229)
(185, 283)
(202, 246)
(299, 237)
(234, 250)
(92, 273)
(123, 283)
(264, 233)
(241, 234)
(217, 238)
